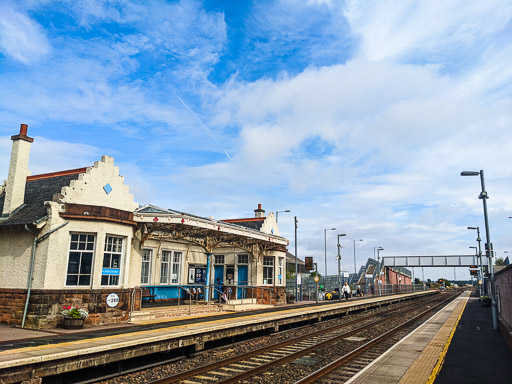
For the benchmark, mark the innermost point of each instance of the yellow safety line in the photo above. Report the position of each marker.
(149, 331)
(440, 361)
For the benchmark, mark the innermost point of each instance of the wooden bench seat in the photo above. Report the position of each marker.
(146, 294)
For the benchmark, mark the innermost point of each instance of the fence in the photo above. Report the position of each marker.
(234, 294)
(307, 291)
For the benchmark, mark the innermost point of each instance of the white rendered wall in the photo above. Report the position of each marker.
(15, 253)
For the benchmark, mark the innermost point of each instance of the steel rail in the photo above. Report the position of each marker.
(236, 359)
(356, 352)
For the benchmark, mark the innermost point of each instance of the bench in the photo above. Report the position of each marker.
(146, 294)
(198, 293)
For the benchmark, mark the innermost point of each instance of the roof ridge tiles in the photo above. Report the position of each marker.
(57, 174)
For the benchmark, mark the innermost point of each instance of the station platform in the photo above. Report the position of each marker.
(26, 354)
(456, 345)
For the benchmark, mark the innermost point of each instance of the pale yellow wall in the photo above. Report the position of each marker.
(15, 254)
(88, 189)
(58, 253)
(195, 255)
(52, 253)
(270, 224)
(18, 172)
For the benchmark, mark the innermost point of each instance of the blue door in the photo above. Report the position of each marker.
(218, 273)
(243, 276)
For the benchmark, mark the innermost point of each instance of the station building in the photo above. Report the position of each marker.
(77, 237)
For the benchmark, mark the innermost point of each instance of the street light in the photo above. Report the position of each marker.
(296, 267)
(355, 267)
(325, 247)
(378, 253)
(339, 266)
(488, 244)
(479, 274)
(277, 214)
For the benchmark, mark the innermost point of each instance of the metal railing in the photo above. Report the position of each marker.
(308, 289)
(234, 294)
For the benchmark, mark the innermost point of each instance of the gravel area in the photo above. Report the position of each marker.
(237, 349)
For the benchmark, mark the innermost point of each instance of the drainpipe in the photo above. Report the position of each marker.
(207, 285)
(37, 240)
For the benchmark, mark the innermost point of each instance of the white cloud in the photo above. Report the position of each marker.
(391, 30)
(21, 37)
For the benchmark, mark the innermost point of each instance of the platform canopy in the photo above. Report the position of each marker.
(430, 261)
(208, 233)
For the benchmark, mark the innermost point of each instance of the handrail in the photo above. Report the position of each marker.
(229, 290)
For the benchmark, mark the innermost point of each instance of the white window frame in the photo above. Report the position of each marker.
(219, 259)
(93, 251)
(149, 263)
(268, 263)
(280, 270)
(174, 260)
(113, 251)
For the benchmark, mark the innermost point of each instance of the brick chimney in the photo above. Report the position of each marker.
(259, 212)
(18, 171)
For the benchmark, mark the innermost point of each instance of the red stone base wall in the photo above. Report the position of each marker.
(45, 306)
(265, 295)
(504, 299)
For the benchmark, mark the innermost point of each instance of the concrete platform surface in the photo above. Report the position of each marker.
(456, 345)
(477, 353)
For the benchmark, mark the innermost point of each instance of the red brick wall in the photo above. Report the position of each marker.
(392, 277)
(45, 306)
(503, 280)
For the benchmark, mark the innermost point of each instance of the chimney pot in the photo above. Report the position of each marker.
(23, 129)
(259, 212)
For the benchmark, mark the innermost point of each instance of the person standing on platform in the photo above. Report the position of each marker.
(220, 287)
(346, 291)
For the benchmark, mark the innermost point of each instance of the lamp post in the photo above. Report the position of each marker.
(277, 214)
(325, 248)
(488, 244)
(355, 267)
(378, 264)
(296, 272)
(479, 258)
(339, 266)
(480, 270)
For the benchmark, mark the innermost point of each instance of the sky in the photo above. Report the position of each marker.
(354, 115)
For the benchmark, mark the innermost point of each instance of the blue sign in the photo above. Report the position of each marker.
(107, 188)
(110, 271)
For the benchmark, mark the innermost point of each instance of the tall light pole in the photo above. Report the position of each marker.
(339, 265)
(355, 267)
(325, 247)
(296, 272)
(277, 214)
(378, 264)
(378, 253)
(488, 245)
(480, 271)
(479, 261)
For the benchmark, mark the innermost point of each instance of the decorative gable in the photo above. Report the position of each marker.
(100, 185)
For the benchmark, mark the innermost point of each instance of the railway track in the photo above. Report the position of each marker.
(281, 362)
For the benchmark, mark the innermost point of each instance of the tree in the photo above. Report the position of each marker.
(417, 281)
(290, 272)
(444, 282)
(499, 261)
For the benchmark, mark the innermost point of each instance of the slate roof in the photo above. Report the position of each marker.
(253, 223)
(36, 193)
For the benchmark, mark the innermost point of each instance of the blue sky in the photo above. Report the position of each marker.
(354, 115)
